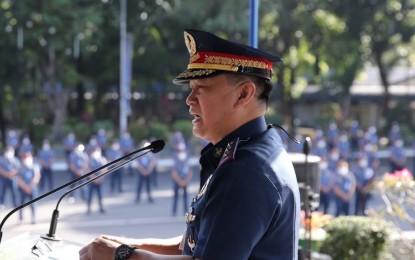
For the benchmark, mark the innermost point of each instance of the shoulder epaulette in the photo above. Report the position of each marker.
(230, 151)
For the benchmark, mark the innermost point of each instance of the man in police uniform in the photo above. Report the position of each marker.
(248, 206)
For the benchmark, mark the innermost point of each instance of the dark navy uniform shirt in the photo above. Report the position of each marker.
(249, 203)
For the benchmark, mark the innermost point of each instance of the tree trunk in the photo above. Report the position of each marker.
(2, 121)
(383, 74)
(57, 96)
(284, 100)
(59, 115)
(346, 103)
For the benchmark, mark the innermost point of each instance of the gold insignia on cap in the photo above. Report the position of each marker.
(196, 73)
(190, 43)
(220, 60)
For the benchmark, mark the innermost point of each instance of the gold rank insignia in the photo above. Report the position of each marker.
(191, 243)
(218, 151)
(189, 216)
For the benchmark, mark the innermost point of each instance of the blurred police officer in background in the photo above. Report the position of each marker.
(144, 167)
(113, 153)
(78, 166)
(9, 168)
(46, 157)
(181, 175)
(28, 180)
(96, 160)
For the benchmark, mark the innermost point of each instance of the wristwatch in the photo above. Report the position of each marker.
(124, 252)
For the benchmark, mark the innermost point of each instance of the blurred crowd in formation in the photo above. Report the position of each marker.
(348, 167)
(27, 172)
(350, 160)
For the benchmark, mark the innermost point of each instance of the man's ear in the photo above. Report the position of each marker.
(247, 92)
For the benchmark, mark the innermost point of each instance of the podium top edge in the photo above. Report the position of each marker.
(301, 158)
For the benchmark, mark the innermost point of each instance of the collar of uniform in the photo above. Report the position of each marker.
(211, 154)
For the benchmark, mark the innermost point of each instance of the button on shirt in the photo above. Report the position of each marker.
(251, 205)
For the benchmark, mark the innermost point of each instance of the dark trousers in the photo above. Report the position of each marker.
(395, 167)
(46, 179)
(325, 199)
(95, 188)
(116, 181)
(361, 203)
(176, 189)
(7, 184)
(24, 197)
(81, 190)
(342, 207)
(143, 179)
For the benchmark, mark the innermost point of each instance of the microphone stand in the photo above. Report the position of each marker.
(55, 215)
(154, 146)
(307, 206)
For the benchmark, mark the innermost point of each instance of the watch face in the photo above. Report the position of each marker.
(123, 252)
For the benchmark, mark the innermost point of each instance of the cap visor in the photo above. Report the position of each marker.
(191, 74)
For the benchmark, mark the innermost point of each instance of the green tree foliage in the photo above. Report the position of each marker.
(54, 53)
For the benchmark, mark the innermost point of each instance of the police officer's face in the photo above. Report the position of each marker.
(211, 103)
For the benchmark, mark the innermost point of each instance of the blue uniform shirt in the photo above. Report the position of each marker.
(78, 159)
(249, 207)
(326, 177)
(363, 175)
(113, 154)
(27, 174)
(345, 182)
(9, 165)
(182, 167)
(145, 160)
(46, 156)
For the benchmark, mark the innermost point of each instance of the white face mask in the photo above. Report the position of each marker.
(46, 147)
(28, 161)
(321, 144)
(363, 163)
(9, 154)
(26, 141)
(323, 165)
(344, 170)
(80, 149)
(182, 156)
(96, 155)
(334, 156)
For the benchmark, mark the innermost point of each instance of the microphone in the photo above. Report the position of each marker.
(155, 147)
(307, 146)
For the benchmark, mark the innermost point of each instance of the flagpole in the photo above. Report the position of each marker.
(253, 35)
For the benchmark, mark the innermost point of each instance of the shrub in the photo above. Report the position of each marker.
(184, 126)
(82, 131)
(159, 131)
(356, 238)
(139, 130)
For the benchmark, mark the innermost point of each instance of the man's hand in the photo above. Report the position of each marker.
(100, 248)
